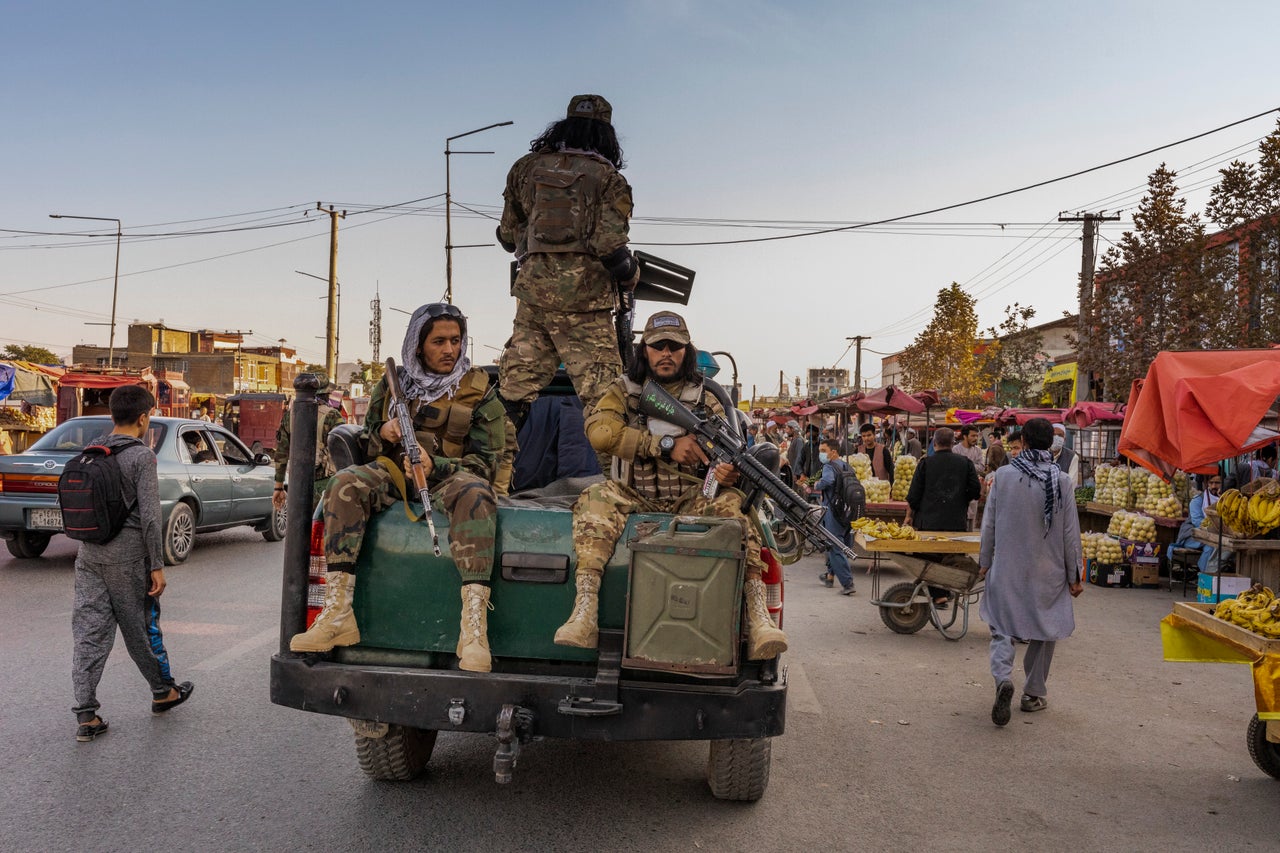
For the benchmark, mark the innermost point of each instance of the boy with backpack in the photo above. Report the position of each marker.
(110, 499)
(844, 501)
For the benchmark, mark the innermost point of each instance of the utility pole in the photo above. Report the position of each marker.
(448, 206)
(1090, 220)
(375, 325)
(331, 325)
(857, 359)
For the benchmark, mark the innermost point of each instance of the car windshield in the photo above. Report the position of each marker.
(73, 435)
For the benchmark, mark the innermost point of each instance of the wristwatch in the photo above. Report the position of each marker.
(666, 444)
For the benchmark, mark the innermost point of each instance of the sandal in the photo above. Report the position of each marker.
(184, 691)
(86, 732)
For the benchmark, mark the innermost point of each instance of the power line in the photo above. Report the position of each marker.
(1036, 185)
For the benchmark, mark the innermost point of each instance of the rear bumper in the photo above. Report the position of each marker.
(422, 698)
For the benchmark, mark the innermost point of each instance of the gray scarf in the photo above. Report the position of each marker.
(417, 382)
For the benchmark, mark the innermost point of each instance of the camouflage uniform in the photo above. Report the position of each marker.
(566, 216)
(463, 467)
(324, 465)
(646, 484)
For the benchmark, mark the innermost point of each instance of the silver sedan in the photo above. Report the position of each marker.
(208, 481)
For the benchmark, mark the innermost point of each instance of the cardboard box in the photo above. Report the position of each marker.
(1106, 574)
(1141, 553)
(1145, 574)
(1214, 588)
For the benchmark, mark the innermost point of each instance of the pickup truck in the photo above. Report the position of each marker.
(401, 686)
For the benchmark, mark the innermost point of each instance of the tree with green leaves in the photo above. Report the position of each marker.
(942, 356)
(31, 353)
(1014, 359)
(367, 372)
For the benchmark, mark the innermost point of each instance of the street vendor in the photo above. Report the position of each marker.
(1212, 488)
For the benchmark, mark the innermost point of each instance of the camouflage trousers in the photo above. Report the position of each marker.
(585, 342)
(600, 516)
(356, 493)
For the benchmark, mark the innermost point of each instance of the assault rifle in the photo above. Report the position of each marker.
(399, 409)
(723, 444)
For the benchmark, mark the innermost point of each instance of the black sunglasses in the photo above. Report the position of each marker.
(444, 309)
(666, 346)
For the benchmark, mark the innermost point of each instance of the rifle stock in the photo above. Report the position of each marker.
(399, 409)
(721, 443)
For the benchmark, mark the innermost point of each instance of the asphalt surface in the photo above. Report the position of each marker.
(889, 744)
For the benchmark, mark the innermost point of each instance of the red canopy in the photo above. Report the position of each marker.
(1087, 413)
(1195, 409)
(1021, 416)
(927, 398)
(103, 380)
(889, 400)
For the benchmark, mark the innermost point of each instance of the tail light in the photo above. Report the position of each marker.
(42, 484)
(316, 572)
(772, 577)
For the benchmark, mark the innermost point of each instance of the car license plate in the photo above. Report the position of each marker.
(45, 519)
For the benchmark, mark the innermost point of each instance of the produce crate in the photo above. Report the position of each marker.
(1202, 615)
(1115, 575)
(1210, 589)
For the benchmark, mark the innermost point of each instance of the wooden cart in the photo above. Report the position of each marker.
(1184, 633)
(944, 560)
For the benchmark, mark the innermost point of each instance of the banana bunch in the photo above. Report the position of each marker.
(1251, 516)
(1256, 609)
(877, 529)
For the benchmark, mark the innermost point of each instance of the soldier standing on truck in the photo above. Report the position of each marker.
(458, 422)
(566, 215)
(328, 416)
(656, 469)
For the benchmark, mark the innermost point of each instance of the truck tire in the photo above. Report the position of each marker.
(398, 756)
(903, 620)
(276, 525)
(1264, 753)
(739, 769)
(26, 545)
(179, 534)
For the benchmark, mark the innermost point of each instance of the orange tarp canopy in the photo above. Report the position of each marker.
(1195, 409)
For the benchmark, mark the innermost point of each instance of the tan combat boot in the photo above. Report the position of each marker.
(764, 639)
(582, 629)
(336, 624)
(473, 636)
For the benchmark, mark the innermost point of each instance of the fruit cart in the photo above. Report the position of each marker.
(1191, 633)
(937, 559)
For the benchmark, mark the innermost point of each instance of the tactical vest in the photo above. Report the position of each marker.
(324, 462)
(653, 478)
(562, 196)
(442, 425)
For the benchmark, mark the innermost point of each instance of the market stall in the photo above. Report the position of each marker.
(26, 404)
(1192, 410)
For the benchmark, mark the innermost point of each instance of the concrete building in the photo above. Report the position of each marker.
(827, 381)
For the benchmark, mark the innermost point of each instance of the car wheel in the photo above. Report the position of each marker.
(179, 535)
(399, 755)
(739, 769)
(26, 545)
(276, 526)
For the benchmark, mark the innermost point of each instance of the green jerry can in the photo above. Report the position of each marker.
(685, 600)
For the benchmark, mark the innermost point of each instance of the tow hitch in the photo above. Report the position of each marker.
(515, 727)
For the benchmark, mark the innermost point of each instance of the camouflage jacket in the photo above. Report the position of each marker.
(280, 455)
(569, 281)
(481, 447)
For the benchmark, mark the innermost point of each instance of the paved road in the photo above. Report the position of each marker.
(889, 744)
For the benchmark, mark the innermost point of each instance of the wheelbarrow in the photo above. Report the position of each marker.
(939, 560)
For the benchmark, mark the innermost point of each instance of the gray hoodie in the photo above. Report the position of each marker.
(141, 541)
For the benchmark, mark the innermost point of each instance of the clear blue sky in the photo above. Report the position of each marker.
(160, 113)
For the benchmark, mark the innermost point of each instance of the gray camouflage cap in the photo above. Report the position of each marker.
(590, 106)
(666, 326)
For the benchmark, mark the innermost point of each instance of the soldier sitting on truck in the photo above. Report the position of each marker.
(656, 468)
(458, 422)
(328, 418)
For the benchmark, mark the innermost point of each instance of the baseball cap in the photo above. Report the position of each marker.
(590, 106)
(665, 326)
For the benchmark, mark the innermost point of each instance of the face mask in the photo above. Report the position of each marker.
(822, 457)
(1058, 441)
